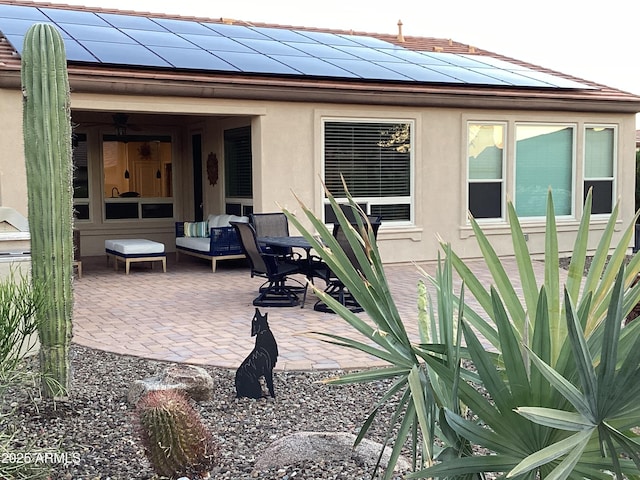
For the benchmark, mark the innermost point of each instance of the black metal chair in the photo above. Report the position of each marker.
(274, 292)
(274, 224)
(335, 287)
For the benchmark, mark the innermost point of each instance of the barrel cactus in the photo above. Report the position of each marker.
(47, 147)
(176, 441)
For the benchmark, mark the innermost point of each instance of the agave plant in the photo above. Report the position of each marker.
(418, 417)
(539, 337)
(530, 416)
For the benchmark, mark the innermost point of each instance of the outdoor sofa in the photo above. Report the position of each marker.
(214, 239)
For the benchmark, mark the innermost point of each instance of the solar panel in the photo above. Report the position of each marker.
(131, 21)
(25, 13)
(166, 39)
(77, 53)
(270, 47)
(282, 35)
(365, 53)
(419, 73)
(18, 26)
(235, 31)
(135, 40)
(74, 16)
(217, 43)
(183, 26)
(468, 76)
(118, 53)
(314, 67)
(98, 34)
(329, 38)
(193, 59)
(255, 63)
(321, 51)
(512, 77)
(368, 70)
(411, 56)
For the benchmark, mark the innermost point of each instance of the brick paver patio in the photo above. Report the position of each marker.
(192, 315)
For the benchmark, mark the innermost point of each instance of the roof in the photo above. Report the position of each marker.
(541, 88)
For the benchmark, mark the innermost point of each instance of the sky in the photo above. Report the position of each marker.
(597, 41)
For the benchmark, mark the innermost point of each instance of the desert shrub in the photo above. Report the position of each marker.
(556, 395)
(19, 301)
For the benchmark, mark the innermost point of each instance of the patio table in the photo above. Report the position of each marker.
(287, 242)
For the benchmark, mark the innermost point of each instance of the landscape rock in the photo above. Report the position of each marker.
(301, 447)
(194, 381)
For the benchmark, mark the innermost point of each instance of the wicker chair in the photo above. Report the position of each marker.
(274, 292)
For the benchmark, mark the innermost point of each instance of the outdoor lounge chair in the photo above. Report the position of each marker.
(335, 287)
(274, 292)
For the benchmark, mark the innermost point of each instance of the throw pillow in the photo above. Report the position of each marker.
(196, 229)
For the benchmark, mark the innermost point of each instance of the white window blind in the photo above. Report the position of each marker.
(544, 159)
(375, 160)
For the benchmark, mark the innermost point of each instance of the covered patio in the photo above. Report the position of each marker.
(192, 315)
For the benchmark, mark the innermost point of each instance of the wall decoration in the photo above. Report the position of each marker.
(212, 168)
(144, 151)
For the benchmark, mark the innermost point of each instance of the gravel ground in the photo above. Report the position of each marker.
(96, 429)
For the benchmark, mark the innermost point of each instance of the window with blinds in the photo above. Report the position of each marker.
(544, 159)
(375, 159)
(599, 154)
(237, 163)
(81, 200)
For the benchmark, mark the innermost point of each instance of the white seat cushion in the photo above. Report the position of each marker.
(134, 246)
(194, 243)
(223, 220)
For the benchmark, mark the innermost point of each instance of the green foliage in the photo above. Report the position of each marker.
(416, 418)
(47, 144)
(559, 383)
(19, 301)
(176, 441)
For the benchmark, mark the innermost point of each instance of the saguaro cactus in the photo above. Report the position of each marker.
(175, 439)
(47, 146)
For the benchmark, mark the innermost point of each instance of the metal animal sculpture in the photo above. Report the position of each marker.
(260, 362)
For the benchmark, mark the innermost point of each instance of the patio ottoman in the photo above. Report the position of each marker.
(131, 250)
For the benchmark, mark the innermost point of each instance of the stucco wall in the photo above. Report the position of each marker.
(13, 180)
(287, 152)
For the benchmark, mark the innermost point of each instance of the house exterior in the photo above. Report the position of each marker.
(245, 116)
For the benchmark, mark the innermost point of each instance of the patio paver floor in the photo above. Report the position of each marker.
(192, 315)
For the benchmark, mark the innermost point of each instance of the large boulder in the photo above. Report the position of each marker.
(194, 381)
(302, 447)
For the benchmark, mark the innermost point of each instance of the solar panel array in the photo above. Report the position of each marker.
(137, 41)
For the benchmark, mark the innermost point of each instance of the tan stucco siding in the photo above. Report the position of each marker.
(287, 155)
(13, 180)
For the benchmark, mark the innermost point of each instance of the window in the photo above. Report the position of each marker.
(80, 177)
(375, 159)
(599, 157)
(543, 160)
(138, 176)
(238, 170)
(485, 154)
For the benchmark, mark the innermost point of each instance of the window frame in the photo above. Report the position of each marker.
(409, 200)
(614, 163)
(503, 173)
(136, 209)
(574, 127)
